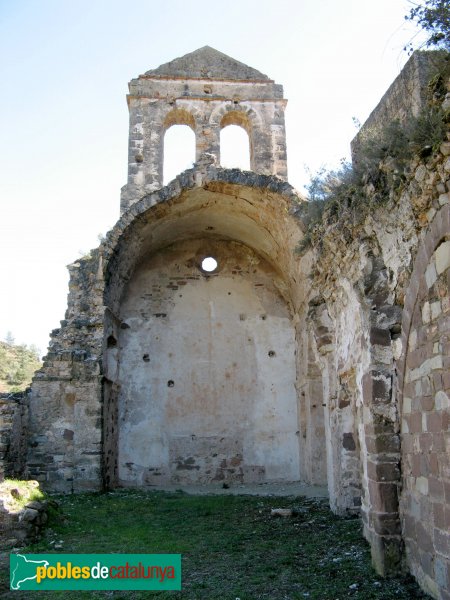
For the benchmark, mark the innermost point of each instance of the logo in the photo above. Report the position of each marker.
(95, 571)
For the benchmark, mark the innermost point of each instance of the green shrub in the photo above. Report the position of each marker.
(348, 193)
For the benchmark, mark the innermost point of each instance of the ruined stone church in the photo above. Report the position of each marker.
(270, 365)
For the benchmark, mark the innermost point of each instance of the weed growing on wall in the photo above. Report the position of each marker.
(346, 195)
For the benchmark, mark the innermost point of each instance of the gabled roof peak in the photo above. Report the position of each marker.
(207, 63)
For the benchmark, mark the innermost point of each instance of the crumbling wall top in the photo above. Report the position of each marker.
(406, 96)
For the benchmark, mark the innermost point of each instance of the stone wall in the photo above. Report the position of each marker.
(65, 427)
(382, 321)
(406, 97)
(206, 100)
(363, 384)
(82, 399)
(13, 433)
(424, 382)
(206, 370)
(24, 526)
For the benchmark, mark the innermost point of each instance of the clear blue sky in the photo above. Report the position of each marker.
(64, 69)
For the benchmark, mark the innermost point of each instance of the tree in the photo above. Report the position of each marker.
(10, 338)
(433, 16)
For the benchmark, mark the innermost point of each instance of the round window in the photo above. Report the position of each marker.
(209, 264)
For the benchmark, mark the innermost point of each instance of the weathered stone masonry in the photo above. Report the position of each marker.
(13, 433)
(381, 315)
(424, 385)
(330, 367)
(207, 91)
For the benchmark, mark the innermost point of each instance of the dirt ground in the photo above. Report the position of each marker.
(293, 488)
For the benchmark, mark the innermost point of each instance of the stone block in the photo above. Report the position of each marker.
(426, 312)
(445, 148)
(426, 563)
(412, 341)
(380, 337)
(446, 381)
(348, 442)
(416, 357)
(377, 386)
(416, 466)
(383, 471)
(433, 464)
(421, 485)
(435, 363)
(445, 301)
(430, 275)
(397, 348)
(415, 423)
(407, 443)
(29, 515)
(442, 542)
(443, 199)
(406, 406)
(427, 404)
(436, 310)
(388, 315)
(438, 382)
(442, 257)
(439, 439)
(383, 496)
(422, 334)
(440, 519)
(379, 425)
(441, 571)
(421, 173)
(386, 554)
(409, 526)
(385, 524)
(424, 537)
(425, 385)
(383, 443)
(436, 489)
(435, 422)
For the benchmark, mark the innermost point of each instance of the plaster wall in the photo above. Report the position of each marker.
(206, 370)
(338, 346)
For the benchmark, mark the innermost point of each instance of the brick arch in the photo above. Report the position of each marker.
(187, 146)
(239, 118)
(188, 216)
(424, 392)
(236, 114)
(438, 230)
(247, 118)
(180, 116)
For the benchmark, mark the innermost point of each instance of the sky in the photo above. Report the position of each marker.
(64, 69)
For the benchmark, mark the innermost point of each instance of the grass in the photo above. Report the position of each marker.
(16, 493)
(231, 546)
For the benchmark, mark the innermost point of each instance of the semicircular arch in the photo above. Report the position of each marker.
(257, 211)
(236, 114)
(179, 116)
